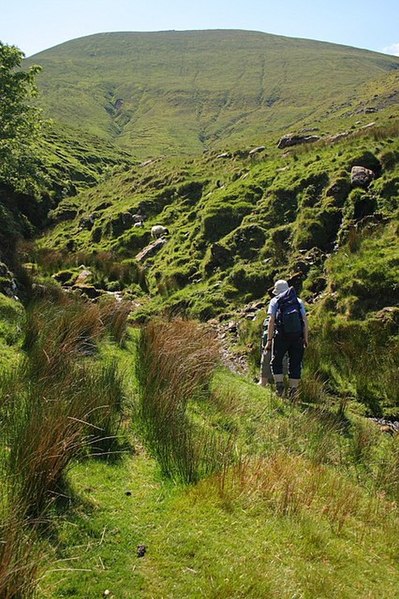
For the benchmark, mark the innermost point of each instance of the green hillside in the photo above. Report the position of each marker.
(133, 462)
(238, 223)
(183, 92)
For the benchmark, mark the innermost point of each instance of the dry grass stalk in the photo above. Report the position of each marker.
(20, 558)
(290, 485)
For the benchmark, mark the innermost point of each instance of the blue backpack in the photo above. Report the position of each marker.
(289, 319)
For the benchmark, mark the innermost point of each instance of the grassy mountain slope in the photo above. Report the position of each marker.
(179, 92)
(237, 223)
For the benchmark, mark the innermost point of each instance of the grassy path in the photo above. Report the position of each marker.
(201, 543)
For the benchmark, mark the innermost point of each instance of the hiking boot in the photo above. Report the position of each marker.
(280, 389)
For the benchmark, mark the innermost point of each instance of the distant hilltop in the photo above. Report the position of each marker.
(175, 92)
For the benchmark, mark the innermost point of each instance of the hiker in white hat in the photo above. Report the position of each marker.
(287, 333)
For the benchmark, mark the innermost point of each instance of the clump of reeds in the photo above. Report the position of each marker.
(114, 316)
(59, 402)
(175, 361)
(21, 557)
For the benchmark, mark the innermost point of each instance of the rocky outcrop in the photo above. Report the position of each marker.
(361, 176)
(294, 139)
(151, 249)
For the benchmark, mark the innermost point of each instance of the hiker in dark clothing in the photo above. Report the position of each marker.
(287, 333)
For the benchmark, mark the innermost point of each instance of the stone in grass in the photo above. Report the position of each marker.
(361, 176)
(141, 550)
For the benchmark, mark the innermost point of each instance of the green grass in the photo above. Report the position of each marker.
(307, 508)
(186, 91)
(11, 321)
(286, 522)
(237, 225)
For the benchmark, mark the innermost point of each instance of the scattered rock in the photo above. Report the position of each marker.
(368, 126)
(387, 426)
(256, 150)
(294, 139)
(338, 136)
(89, 290)
(151, 249)
(83, 277)
(361, 176)
(224, 155)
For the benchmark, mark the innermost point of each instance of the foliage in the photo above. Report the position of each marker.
(20, 121)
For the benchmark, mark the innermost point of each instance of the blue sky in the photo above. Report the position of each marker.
(35, 25)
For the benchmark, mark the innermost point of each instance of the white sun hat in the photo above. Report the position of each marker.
(280, 286)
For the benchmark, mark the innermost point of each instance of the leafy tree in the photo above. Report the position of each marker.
(20, 121)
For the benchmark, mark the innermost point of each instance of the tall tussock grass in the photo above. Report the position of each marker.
(337, 357)
(52, 421)
(175, 361)
(21, 557)
(59, 403)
